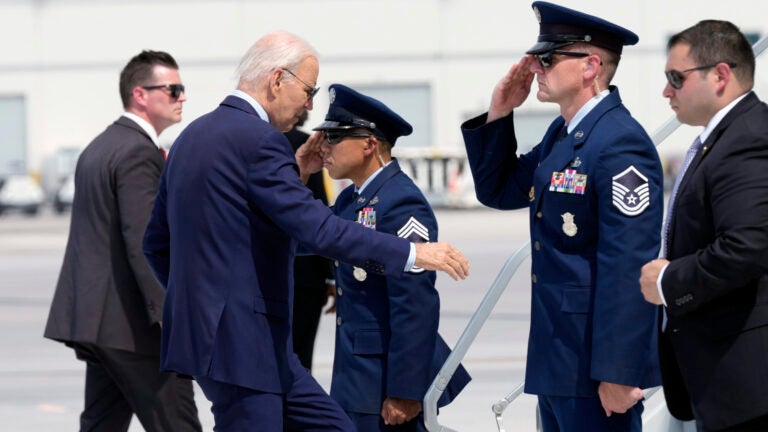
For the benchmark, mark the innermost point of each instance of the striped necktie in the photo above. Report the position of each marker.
(671, 206)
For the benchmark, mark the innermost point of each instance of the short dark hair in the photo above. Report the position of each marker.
(140, 70)
(713, 41)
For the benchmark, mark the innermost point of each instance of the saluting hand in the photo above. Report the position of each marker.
(512, 90)
(443, 257)
(309, 156)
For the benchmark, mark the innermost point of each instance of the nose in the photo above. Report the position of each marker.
(309, 104)
(668, 91)
(536, 67)
(182, 97)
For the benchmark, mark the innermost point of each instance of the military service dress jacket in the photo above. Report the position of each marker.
(596, 201)
(387, 343)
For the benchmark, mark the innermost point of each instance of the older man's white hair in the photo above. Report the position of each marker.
(274, 50)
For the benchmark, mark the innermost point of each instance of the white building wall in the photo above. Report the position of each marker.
(65, 55)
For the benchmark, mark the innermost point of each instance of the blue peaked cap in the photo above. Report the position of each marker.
(350, 109)
(560, 27)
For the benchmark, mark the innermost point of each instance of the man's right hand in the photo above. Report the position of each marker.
(512, 90)
(443, 257)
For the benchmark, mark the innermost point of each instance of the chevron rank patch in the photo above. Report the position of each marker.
(416, 232)
(631, 193)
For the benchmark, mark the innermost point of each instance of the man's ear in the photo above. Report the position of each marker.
(276, 80)
(723, 75)
(139, 96)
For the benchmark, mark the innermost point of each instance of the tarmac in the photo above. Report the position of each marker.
(41, 382)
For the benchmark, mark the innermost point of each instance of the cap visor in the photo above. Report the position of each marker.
(327, 125)
(542, 47)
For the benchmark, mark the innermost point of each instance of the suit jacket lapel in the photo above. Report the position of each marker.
(743, 106)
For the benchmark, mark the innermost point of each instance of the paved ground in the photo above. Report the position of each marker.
(41, 381)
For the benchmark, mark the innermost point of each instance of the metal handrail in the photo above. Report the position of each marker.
(492, 297)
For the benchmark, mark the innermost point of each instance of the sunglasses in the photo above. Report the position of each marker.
(175, 90)
(676, 78)
(308, 89)
(336, 137)
(545, 59)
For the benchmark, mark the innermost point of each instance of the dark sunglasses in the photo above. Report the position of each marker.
(676, 78)
(311, 91)
(175, 90)
(336, 137)
(545, 59)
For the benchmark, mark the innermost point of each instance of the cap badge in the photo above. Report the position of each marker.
(332, 95)
(538, 14)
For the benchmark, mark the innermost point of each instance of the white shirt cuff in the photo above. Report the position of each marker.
(658, 284)
(411, 258)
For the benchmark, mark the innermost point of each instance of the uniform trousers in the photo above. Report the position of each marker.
(306, 407)
(374, 422)
(567, 414)
(120, 383)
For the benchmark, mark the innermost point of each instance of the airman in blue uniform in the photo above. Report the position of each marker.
(594, 189)
(388, 350)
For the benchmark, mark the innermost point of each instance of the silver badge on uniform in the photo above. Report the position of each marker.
(569, 226)
(332, 95)
(359, 274)
(631, 192)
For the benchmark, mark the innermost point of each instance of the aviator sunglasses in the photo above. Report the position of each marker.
(337, 137)
(545, 59)
(308, 89)
(676, 78)
(175, 90)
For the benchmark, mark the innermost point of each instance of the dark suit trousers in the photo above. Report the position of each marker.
(759, 424)
(308, 301)
(119, 384)
(306, 407)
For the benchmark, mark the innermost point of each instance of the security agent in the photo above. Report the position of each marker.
(594, 188)
(388, 350)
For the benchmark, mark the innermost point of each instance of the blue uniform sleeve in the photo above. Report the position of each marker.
(630, 206)
(502, 180)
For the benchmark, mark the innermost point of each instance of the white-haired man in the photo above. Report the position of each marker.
(228, 216)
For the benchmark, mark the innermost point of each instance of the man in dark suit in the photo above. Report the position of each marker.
(713, 279)
(388, 350)
(108, 304)
(229, 212)
(313, 281)
(594, 190)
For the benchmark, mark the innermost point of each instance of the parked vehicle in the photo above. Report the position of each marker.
(20, 193)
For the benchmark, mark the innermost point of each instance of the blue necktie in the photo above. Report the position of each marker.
(671, 206)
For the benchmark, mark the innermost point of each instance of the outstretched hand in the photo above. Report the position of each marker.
(512, 90)
(309, 156)
(443, 257)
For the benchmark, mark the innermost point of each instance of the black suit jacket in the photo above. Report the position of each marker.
(107, 294)
(714, 350)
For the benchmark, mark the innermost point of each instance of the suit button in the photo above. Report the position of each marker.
(338, 291)
(537, 246)
(336, 263)
(539, 215)
(533, 278)
(338, 321)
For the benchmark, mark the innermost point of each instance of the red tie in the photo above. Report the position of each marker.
(164, 153)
